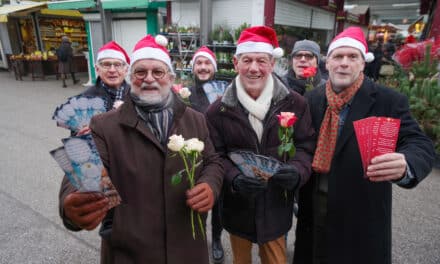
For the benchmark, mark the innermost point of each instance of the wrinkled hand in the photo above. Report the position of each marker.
(387, 167)
(200, 198)
(248, 185)
(83, 131)
(287, 177)
(86, 210)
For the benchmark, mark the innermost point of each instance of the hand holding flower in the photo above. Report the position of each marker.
(200, 198)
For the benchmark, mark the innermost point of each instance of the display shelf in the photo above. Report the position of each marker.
(53, 29)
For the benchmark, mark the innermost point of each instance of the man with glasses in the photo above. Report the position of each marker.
(257, 210)
(305, 54)
(153, 223)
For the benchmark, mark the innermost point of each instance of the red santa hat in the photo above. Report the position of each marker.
(352, 37)
(111, 50)
(259, 39)
(151, 47)
(205, 52)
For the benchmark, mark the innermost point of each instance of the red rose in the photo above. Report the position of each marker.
(309, 72)
(287, 119)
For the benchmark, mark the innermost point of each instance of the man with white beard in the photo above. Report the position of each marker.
(153, 223)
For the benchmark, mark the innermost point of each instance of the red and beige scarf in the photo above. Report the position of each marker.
(328, 132)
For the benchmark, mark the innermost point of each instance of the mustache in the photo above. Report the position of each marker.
(204, 71)
(149, 86)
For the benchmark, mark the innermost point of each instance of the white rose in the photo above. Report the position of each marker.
(194, 144)
(184, 92)
(117, 104)
(176, 143)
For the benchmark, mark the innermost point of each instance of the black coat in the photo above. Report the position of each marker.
(358, 211)
(268, 215)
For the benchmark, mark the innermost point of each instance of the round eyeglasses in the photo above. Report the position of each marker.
(156, 73)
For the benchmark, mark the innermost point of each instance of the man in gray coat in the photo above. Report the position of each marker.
(153, 223)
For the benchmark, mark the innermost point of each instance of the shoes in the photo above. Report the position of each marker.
(64, 86)
(76, 81)
(217, 251)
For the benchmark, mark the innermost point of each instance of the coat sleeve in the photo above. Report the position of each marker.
(413, 143)
(215, 130)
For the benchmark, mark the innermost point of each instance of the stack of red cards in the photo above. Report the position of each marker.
(376, 136)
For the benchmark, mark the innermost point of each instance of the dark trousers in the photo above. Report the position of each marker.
(216, 223)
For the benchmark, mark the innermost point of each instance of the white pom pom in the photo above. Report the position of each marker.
(161, 40)
(277, 53)
(369, 57)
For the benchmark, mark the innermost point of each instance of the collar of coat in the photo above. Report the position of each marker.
(280, 91)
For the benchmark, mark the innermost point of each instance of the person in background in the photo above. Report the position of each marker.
(65, 61)
(345, 215)
(245, 118)
(205, 91)
(305, 54)
(111, 67)
(152, 225)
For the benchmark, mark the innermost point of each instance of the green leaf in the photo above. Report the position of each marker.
(280, 133)
(288, 146)
(292, 152)
(280, 151)
(176, 179)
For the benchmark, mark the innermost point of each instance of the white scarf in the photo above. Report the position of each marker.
(257, 108)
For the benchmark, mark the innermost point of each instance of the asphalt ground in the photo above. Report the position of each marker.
(31, 230)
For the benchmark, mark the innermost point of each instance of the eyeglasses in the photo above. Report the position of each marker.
(299, 56)
(157, 73)
(108, 65)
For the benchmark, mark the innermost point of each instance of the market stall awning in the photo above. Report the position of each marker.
(71, 4)
(5, 10)
(124, 4)
(60, 12)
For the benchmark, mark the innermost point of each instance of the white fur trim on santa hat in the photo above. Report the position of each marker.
(204, 54)
(151, 53)
(110, 54)
(251, 46)
(350, 42)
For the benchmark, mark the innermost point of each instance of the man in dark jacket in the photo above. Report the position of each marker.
(305, 54)
(65, 60)
(205, 89)
(111, 66)
(344, 214)
(204, 92)
(153, 223)
(245, 118)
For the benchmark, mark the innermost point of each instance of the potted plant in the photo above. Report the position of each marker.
(421, 86)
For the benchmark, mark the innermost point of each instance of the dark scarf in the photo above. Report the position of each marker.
(158, 117)
(299, 85)
(115, 94)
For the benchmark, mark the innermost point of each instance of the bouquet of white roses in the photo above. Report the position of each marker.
(189, 150)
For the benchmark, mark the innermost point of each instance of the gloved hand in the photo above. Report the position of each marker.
(287, 177)
(248, 185)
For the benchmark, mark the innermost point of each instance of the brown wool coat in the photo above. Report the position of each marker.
(152, 225)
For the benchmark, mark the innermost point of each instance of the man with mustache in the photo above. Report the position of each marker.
(345, 216)
(305, 54)
(256, 210)
(204, 92)
(153, 222)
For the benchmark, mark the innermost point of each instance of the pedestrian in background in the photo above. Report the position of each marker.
(65, 61)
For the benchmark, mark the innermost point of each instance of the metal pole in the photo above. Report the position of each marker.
(205, 20)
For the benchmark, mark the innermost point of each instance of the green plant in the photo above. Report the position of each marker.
(422, 88)
(239, 30)
(221, 33)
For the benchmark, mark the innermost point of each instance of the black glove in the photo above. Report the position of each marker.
(287, 177)
(248, 185)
